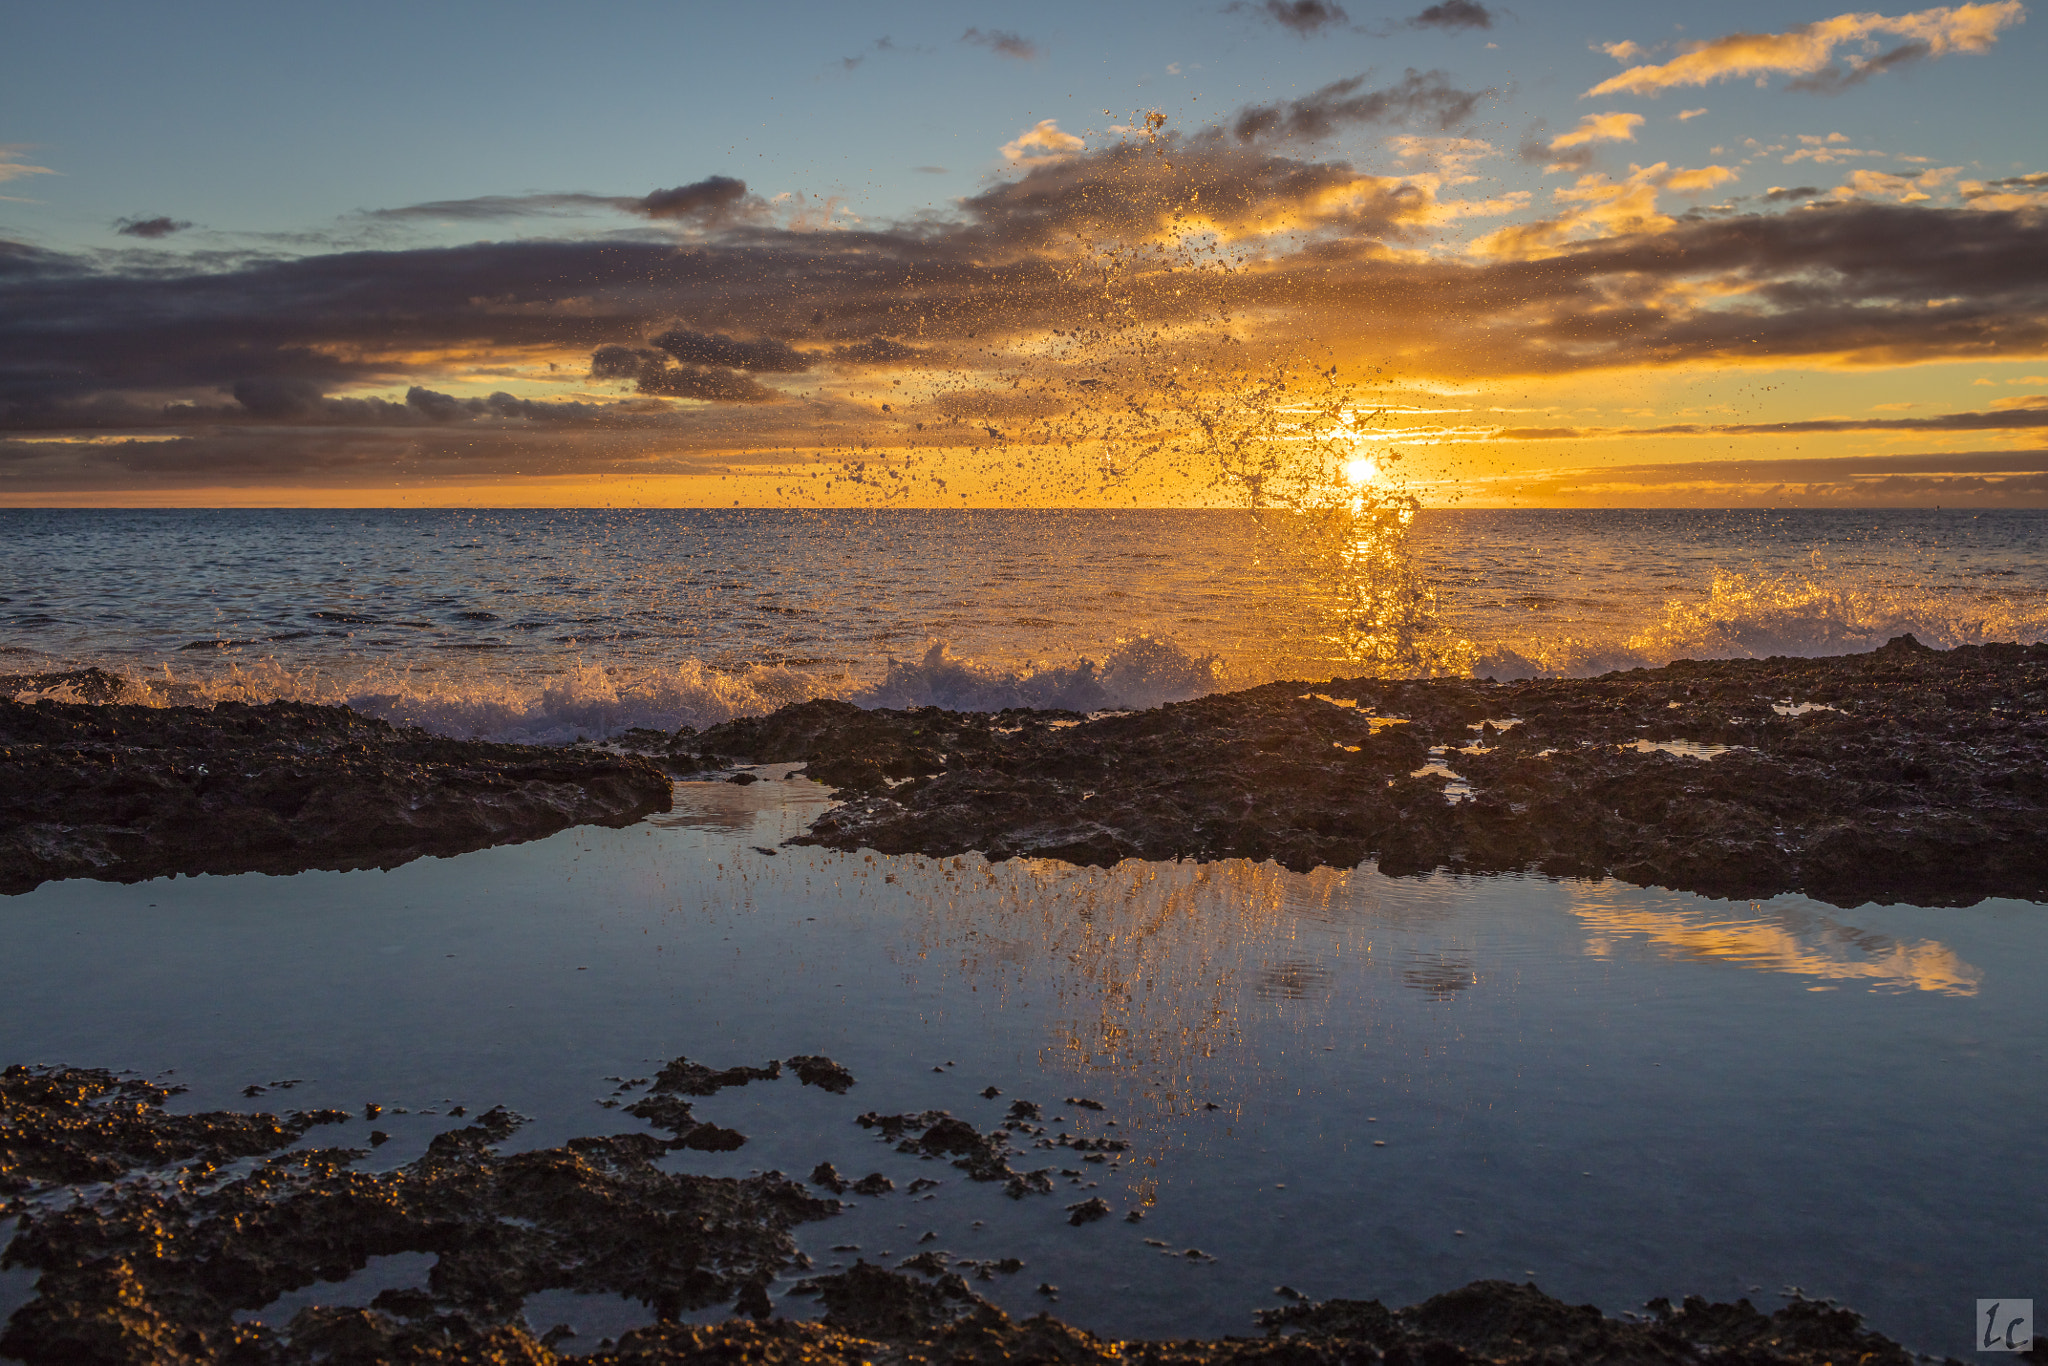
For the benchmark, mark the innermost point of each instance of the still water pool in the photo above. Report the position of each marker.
(1349, 1084)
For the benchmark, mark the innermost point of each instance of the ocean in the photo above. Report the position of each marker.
(547, 625)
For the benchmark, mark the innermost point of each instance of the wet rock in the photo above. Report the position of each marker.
(156, 1270)
(71, 1125)
(668, 1112)
(871, 1301)
(683, 1077)
(827, 1177)
(122, 792)
(1920, 777)
(1088, 1211)
(984, 1157)
(874, 1183)
(818, 1070)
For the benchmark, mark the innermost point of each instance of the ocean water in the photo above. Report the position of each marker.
(546, 625)
(1348, 1084)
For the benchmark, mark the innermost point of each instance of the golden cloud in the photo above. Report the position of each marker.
(1810, 50)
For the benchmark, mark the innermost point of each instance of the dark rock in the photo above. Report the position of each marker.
(595, 1215)
(683, 1077)
(1926, 782)
(874, 1183)
(1088, 1211)
(160, 1270)
(122, 792)
(818, 1070)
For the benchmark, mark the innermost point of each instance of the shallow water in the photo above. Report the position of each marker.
(543, 625)
(1617, 1093)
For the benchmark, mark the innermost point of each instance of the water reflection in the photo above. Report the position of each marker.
(1788, 939)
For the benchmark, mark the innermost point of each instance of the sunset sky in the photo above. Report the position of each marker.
(1595, 254)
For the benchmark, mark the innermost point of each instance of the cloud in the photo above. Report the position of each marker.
(1002, 42)
(1305, 17)
(1420, 95)
(763, 355)
(1699, 178)
(2013, 414)
(1615, 127)
(149, 227)
(1778, 194)
(1042, 142)
(324, 352)
(930, 170)
(1866, 183)
(1453, 14)
(1686, 115)
(653, 375)
(878, 351)
(1944, 478)
(12, 167)
(710, 202)
(1808, 53)
(2010, 192)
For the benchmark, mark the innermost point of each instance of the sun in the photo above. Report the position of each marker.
(1361, 471)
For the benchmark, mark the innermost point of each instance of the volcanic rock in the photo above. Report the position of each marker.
(122, 793)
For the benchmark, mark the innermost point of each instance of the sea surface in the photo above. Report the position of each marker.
(547, 625)
(1348, 1084)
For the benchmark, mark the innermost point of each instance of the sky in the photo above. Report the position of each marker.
(1566, 255)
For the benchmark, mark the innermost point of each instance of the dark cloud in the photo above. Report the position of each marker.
(878, 351)
(1003, 42)
(1453, 14)
(1950, 479)
(929, 170)
(882, 44)
(215, 352)
(714, 200)
(1421, 95)
(766, 355)
(151, 228)
(653, 375)
(711, 386)
(2029, 414)
(711, 197)
(1833, 79)
(1305, 17)
(1133, 191)
(1780, 195)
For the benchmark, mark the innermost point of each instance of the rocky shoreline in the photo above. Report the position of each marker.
(1905, 774)
(160, 1237)
(123, 793)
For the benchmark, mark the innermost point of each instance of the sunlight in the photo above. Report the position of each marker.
(1361, 470)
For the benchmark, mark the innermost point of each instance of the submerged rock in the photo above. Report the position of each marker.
(123, 793)
(168, 1253)
(1905, 774)
(155, 1267)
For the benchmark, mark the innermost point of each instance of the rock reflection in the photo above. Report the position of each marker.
(1439, 978)
(1788, 939)
(1163, 972)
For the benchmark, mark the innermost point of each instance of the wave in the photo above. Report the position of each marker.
(594, 702)
(1759, 614)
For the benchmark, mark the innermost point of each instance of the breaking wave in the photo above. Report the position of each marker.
(593, 702)
(1759, 614)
